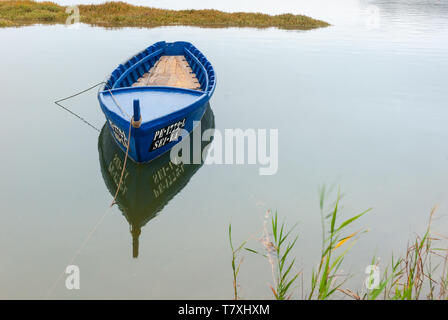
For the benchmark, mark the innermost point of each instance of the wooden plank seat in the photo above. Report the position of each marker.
(172, 71)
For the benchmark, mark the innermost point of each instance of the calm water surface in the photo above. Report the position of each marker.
(361, 104)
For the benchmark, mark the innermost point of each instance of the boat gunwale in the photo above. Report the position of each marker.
(133, 67)
(202, 66)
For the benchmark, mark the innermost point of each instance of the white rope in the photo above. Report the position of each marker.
(116, 102)
(83, 91)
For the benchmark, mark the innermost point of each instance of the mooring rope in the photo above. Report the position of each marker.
(78, 251)
(76, 115)
(122, 110)
(108, 88)
(89, 235)
(124, 165)
(91, 125)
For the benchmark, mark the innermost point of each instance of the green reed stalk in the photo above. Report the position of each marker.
(283, 268)
(236, 263)
(324, 278)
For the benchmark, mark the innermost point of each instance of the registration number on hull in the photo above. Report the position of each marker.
(119, 134)
(167, 134)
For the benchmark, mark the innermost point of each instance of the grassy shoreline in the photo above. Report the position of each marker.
(120, 14)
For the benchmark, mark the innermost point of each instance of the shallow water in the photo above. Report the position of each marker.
(361, 104)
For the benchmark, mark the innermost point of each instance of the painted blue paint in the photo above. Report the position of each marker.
(161, 108)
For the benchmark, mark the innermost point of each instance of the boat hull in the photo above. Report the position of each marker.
(147, 142)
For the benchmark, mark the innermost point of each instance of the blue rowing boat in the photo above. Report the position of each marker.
(151, 97)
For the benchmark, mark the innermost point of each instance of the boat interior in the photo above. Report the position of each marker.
(177, 64)
(171, 71)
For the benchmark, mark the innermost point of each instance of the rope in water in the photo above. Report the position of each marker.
(83, 91)
(76, 115)
(77, 252)
(91, 125)
(89, 235)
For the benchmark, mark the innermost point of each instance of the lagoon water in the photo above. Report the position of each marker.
(361, 105)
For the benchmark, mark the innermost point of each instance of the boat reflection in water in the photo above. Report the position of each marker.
(146, 188)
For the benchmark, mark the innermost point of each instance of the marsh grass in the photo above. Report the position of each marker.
(277, 245)
(420, 273)
(327, 279)
(236, 262)
(19, 13)
(282, 246)
(278, 241)
(120, 14)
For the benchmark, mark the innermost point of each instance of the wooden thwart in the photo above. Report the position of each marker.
(172, 71)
